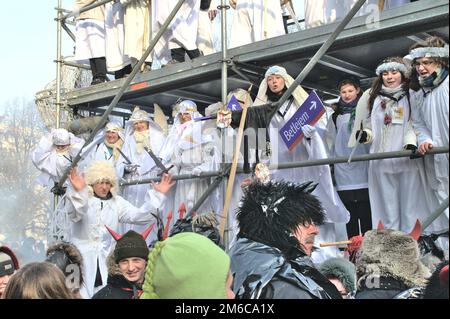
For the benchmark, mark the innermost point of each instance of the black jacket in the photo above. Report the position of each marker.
(264, 272)
(387, 288)
(118, 288)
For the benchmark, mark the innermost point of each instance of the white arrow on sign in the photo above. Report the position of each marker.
(313, 105)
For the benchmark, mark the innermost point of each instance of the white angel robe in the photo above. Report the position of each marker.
(189, 157)
(51, 163)
(116, 59)
(321, 12)
(256, 20)
(147, 168)
(430, 121)
(138, 28)
(397, 187)
(89, 215)
(182, 31)
(348, 176)
(205, 38)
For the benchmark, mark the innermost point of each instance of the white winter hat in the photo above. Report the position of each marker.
(60, 136)
(101, 171)
(427, 52)
(299, 93)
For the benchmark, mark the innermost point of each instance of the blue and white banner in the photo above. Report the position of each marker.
(234, 105)
(309, 113)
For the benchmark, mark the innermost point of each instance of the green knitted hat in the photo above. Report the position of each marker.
(186, 266)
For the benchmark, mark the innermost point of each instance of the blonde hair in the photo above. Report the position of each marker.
(38, 281)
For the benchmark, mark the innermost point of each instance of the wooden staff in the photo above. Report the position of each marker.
(229, 192)
(336, 243)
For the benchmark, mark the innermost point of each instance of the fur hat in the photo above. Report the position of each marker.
(391, 253)
(8, 261)
(100, 171)
(270, 212)
(392, 66)
(63, 255)
(427, 52)
(341, 269)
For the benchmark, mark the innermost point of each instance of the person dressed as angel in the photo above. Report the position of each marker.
(54, 154)
(311, 147)
(194, 153)
(106, 146)
(135, 163)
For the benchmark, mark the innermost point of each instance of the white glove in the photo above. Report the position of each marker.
(308, 130)
(196, 171)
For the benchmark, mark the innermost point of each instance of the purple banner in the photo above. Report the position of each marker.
(234, 105)
(308, 113)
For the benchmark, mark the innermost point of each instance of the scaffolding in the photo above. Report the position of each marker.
(325, 50)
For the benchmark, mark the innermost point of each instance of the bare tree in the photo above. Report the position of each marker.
(24, 203)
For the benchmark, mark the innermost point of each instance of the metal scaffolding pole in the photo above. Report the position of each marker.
(58, 77)
(122, 90)
(70, 33)
(223, 15)
(325, 161)
(435, 215)
(58, 64)
(223, 9)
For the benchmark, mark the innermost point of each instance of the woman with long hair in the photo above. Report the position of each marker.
(383, 120)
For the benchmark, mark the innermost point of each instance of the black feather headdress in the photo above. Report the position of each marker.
(269, 213)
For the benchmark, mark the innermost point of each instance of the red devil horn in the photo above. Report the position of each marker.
(115, 235)
(380, 225)
(181, 211)
(417, 230)
(443, 277)
(147, 231)
(166, 229)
